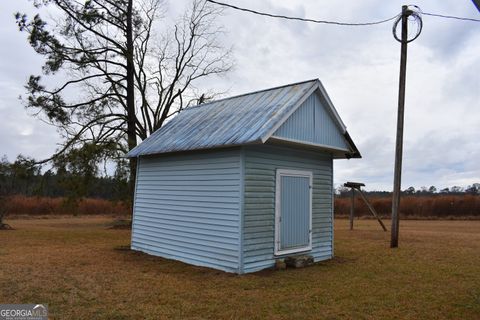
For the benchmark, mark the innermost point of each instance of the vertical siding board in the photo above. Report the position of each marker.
(259, 227)
(313, 123)
(241, 216)
(179, 210)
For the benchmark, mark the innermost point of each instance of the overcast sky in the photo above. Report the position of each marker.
(357, 65)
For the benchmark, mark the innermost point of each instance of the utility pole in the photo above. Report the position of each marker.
(397, 176)
(352, 209)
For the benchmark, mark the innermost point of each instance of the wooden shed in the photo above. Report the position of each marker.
(237, 183)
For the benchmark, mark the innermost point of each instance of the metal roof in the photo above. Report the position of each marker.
(245, 119)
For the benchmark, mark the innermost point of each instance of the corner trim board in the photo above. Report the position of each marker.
(134, 200)
(241, 266)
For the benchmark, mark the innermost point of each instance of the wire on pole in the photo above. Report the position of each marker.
(449, 17)
(398, 17)
(416, 15)
(271, 15)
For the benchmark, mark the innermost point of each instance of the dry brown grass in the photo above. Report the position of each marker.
(72, 264)
(412, 207)
(40, 206)
(437, 206)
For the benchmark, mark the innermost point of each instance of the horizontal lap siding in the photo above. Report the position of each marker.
(187, 208)
(259, 202)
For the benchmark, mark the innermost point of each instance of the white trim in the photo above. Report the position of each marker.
(134, 199)
(333, 208)
(332, 107)
(306, 143)
(241, 264)
(292, 173)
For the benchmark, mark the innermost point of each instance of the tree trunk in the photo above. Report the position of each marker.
(131, 136)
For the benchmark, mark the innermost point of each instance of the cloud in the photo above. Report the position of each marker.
(357, 65)
(20, 133)
(359, 68)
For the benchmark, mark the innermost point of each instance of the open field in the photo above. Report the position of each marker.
(75, 266)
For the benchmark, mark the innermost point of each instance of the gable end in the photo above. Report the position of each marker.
(314, 123)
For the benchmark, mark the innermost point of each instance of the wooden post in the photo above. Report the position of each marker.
(372, 210)
(352, 209)
(397, 176)
(358, 186)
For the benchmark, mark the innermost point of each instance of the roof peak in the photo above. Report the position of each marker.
(250, 93)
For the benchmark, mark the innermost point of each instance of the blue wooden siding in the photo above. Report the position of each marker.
(187, 207)
(295, 212)
(313, 123)
(261, 163)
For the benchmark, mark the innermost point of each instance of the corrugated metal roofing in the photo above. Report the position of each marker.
(244, 119)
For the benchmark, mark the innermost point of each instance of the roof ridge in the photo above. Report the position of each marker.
(248, 93)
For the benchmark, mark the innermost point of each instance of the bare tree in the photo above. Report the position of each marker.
(190, 51)
(123, 78)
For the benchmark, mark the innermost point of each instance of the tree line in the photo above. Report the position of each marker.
(473, 189)
(74, 178)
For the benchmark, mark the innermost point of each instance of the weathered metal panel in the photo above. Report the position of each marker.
(187, 207)
(295, 212)
(252, 119)
(313, 122)
(228, 122)
(261, 163)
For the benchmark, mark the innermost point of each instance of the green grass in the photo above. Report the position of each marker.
(75, 266)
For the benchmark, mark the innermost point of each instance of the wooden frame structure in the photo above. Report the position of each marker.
(357, 186)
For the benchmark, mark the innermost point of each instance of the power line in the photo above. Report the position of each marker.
(271, 15)
(302, 19)
(449, 17)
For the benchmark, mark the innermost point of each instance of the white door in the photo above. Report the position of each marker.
(293, 211)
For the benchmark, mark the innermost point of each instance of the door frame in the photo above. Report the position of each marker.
(292, 173)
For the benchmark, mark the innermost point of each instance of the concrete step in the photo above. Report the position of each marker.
(299, 261)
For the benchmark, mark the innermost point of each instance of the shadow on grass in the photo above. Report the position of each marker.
(156, 264)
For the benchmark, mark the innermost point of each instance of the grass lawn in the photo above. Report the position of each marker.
(75, 266)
